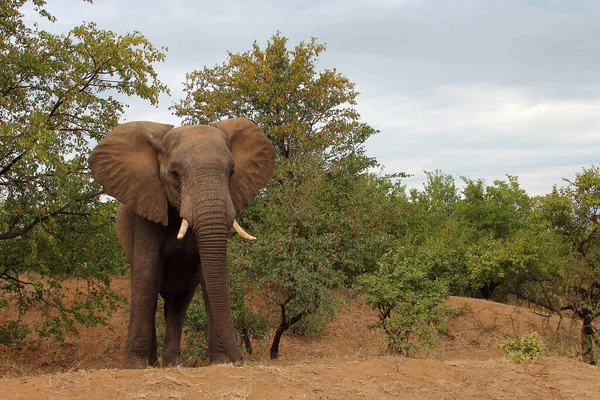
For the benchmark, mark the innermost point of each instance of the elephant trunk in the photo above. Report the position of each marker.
(211, 220)
(215, 271)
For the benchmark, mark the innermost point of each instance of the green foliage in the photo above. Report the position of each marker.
(370, 213)
(312, 325)
(248, 324)
(292, 262)
(573, 213)
(444, 255)
(13, 334)
(56, 100)
(431, 207)
(195, 333)
(494, 240)
(511, 262)
(411, 306)
(481, 241)
(496, 211)
(522, 350)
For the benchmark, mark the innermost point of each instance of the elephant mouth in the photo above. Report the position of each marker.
(239, 230)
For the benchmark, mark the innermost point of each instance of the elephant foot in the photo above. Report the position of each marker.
(172, 359)
(223, 358)
(133, 362)
(216, 359)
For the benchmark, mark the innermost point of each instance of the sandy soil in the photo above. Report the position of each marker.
(348, 361)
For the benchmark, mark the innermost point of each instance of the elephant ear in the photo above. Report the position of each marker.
(125, 163)
(254, 159)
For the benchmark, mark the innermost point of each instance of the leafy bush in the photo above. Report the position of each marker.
(411, 306)
(525, 349)
(313, 325)
(195, 333)
(13, 334)
(248, 324)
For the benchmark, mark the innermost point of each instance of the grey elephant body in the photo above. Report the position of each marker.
(203, 174)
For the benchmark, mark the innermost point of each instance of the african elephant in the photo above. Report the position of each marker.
(166, 180)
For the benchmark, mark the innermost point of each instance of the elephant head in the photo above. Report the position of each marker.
(148, 165)
(206, 173)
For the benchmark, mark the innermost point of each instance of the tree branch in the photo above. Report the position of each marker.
(8, 166)
(581, 244)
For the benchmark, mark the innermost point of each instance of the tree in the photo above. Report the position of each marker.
(574, 213)
(370, 214)
(497, 211)
(502, 251)
(302, 110)
(292, 262)
(431, 207)
(57, 100)
(481, 240)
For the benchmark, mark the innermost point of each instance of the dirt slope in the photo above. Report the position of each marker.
(348, 361)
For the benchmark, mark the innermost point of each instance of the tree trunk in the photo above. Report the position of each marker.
(487, 290)
(588, 336)
(283, 326)
(274, 351)
(247, 342)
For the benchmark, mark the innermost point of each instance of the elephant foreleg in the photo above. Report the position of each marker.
(140, 350)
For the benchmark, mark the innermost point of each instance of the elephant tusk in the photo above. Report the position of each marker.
(242, 232)
(183, 229)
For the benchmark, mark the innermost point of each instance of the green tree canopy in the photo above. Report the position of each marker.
(302, 109)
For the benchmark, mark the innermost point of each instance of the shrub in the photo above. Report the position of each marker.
(411, 306)
(521, 350)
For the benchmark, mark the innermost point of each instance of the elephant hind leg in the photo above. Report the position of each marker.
(175, 306)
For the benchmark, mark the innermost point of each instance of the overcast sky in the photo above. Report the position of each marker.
(479, 88)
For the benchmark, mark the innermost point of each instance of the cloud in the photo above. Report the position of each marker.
(485, 131)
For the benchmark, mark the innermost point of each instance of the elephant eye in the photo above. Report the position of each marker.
(174, 175)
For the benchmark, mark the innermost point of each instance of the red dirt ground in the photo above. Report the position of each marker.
(347, 361)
